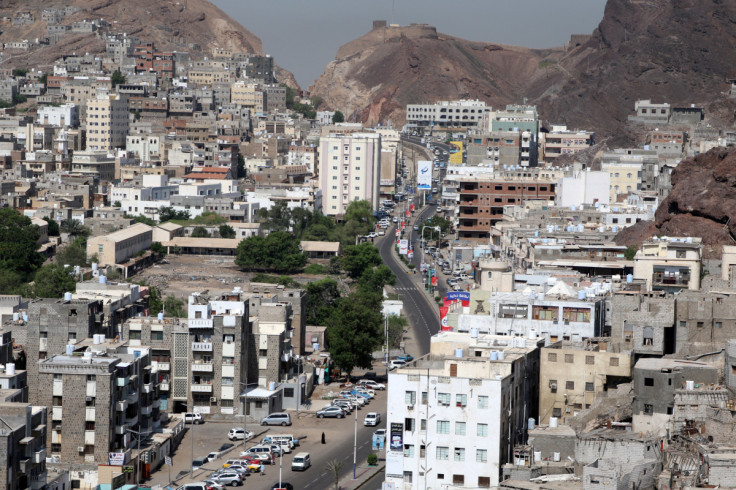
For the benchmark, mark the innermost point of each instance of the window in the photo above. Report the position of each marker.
(484, 482)
(458, 479)
(461, 400)
(459, 428)
(482, 430)
(553, 385)
(443, 453)
(648, 381)
(482, 401)
(481, 455)
(410, 397)
(443, 426)
(459, 454)
(157, 335)
(408, 450)
(570, 385)
(408, 477)
(424, 397)
(552, 356)
(589, 386)
(648, 409)
(680, 254)
(423, 425)
(557, 412)
(443, 399)
(569, 358)
(719, 324)
(613, 361)
(589, 360)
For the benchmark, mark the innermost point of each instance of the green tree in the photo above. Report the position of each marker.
(290, 93)
(241, 167)
(444, 223)
(321, 299)
(43, 78)
(74, 228)
(117, 204)
(200, 232)
(357, 259)
(155, 303)
(19, 72)
(226, 231)
(354, 331)
(277, 217)
(396, 327)
(117, 78)
(630, 252)
(316, 101)
(53, 228)
(174, 307)
(334, 467)
(168, 213)
(52, 281)
(145, 220)
(10, 281)
(157, 248)
(373, 280)
(19, 256)
(19, 99)
(278, 252)
(338, 117)
(73, 254)
(209, 218)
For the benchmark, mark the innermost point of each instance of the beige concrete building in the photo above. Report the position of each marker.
(95, 163)
(248, 95)
(562, 141)
(571, 374)
(670, 263)
(625, 178)
(118, 247)
(107, 122)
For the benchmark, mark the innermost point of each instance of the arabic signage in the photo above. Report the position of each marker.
(463, 296)
(397, 436)
(424, 175)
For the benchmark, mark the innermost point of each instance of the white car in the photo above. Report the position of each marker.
(395, 220)
(372, 419)
(396, 364)
(239, 434)
(369, 383)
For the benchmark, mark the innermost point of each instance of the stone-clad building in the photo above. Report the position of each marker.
(22, 446)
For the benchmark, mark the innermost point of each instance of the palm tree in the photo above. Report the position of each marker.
(73, 228)
(335, 467)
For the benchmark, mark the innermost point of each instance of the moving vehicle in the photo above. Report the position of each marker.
(416, 227)
(193, 418)
(372, 419)
(212, 456)
(332, 412)
(288, 439)
(301, 462)
(239, 434)
(283, 485)
(276, 419)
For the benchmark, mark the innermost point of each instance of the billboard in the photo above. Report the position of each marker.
(404, 247)
(397, 436)
(456, 152)
(443, 319)
(463, 296)
(424, 175)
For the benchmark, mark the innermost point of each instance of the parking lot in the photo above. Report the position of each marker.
(339, 436)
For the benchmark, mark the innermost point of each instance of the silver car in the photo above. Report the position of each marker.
(231, 478)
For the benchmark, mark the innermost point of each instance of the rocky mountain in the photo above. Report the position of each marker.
(702, 203)
(195, 26)
(677, 51)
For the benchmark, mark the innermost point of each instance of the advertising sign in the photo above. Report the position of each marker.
(456, 152)
(443, 319)
(397, 436)
(424, 175)
(459, 296)
(403, 247)
(434, 280)
(116, 459)
(378, 442)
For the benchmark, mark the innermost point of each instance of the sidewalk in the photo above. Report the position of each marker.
(363, 473)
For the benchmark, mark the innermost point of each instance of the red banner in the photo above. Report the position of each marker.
(434, 280)
(443, 319)
(412, 207)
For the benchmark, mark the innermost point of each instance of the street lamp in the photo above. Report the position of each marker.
(191, 464)
(138, 460)
(244, 397)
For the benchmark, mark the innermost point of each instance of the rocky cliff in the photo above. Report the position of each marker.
(702, 203)
(677, 51)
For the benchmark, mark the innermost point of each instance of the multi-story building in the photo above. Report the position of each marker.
(561, 141)
(117, 247)
(625, 176)
(95, 393)
(23, 446)
(148, 59)
(649, 113)
(202, 360)
(657, 380)
(482, 199)
(107, 121)
(447, 113)
(349, 170)
(643, 323)
(455, 417)
(669, 264)
(66, 115)
(571, 375)
(94, 164)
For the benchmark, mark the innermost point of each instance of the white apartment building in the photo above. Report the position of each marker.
(66, 115)
(455, 414)
(670, 263)
(152, 188)
(147, 147)
(107, 121)
(447, 113)
(349, 170)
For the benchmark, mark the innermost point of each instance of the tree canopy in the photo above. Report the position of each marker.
(52, 281)
(356, 259)
(444, 223)
(278, 252)
(321, 299)
(338, 117)
(168, 213)
(19, 256)
(226, 231)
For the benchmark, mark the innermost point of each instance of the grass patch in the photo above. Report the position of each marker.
(315, 269)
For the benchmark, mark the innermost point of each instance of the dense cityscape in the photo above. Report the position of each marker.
(228, 279)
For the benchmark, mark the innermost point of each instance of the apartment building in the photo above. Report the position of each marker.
(572, 374)
(202, 360)
(249, 95)
(350, 167)
(670, 263)
(625, 177)
(645, 322)
(95, 164)
(562, 141)
(66, 115)
(482, 199)
(447, 113)
(657, 380)
(107, 121)
(97, 392)
(23, 446)
(457, 416)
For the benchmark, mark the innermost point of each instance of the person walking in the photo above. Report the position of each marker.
(263, 469)
(323, 438)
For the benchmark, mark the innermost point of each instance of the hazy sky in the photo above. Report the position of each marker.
(303, 35)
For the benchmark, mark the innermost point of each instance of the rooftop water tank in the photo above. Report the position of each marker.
(458, 352)
(629, 277)
(160, 316)
(553, 421)
(581, 294)
(95, 339)
(69, 349)
(16, 317)
(94, 266)
(494, 355)
(25, 316)
(501, 355)
(689, 385)
(103, 279)
(473, 333)
(10, 368)
(556, 457)
(67, 296)
(537, 456)
(530, 424)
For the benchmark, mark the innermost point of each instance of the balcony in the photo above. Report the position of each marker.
(89, 415)
(57, 388)
(164, 366)
(156, 403)
(201, 388)
(163, 386)
(228, 371)
(38, 481)
(121, 429)
(39, 456)
(146, 410)
(122, 381)
(473, 202)
(89, 437)
(132, 397)
(26, 465)
(147, 388)
(121, 405)
(202, 346)
(228, 349)
(200, 323)
(56, 413)
(132, 421)
(204, 367)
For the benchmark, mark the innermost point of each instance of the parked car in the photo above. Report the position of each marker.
(258, 450)
(283, 484)
(380, 433)
(332, 412)
(239, 434)
(416, 227)
(344, 404)
(193, 418)
(276, 419)
(372, 419)
(198, 463)
(214, 485)
(369, 383)
(395, 363)
(212, 456)
(231, 478)
(301, 462)
(405, 357)
(197, 486)
(225, 447)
